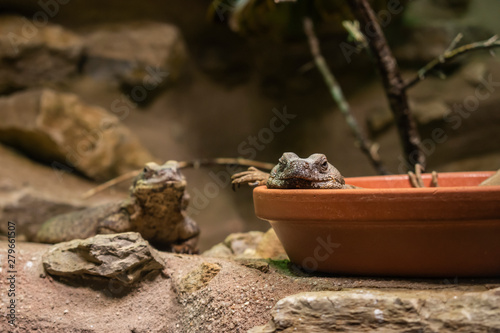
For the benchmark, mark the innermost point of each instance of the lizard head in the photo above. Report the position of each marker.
(312, 172)
(156, 178)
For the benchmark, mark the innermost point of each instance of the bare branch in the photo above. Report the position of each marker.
(338, 97)
(451, 53)
(182, 165)
(391, 77)
(225, 161)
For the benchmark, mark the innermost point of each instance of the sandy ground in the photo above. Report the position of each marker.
(235, 300)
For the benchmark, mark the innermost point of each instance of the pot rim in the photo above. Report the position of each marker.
(448, 203)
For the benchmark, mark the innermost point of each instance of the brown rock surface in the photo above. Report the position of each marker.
(140, 55)
(237, 299)
(29, 208)
(366, 310)
(32, 53)
(198, 278)
(237, 245)
(61, 130)
(270, 247)
(30, 192)
(249, 245)
(126, 258)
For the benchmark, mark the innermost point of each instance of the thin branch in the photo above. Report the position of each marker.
(336, 91)
(181, 165)
(110, 183)
(225, 161)
(450, 54)
(391, 77)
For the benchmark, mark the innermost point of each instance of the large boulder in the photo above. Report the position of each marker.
(70, 135)
(141, 56)
(36, 53)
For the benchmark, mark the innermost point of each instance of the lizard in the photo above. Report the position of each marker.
(313, 172)
(155, 208)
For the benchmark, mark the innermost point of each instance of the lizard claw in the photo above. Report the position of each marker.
(183, 249)
(252, 177)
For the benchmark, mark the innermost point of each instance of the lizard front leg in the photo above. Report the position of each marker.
(115, 223)
(189, 246)
(188, 234)
(252, 177)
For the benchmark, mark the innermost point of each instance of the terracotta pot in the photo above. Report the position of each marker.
(388, 228)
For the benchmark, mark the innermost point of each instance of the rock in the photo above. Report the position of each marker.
(141, 56)
(31, 193)
(270, 247)
(484, 162)
(459, 6)
(239, 245)
(249, 245)
(218, 251)
(474, 72)
(199, 277)
(382, 311)
(29, 209)
(237, 299)
(125, 257)
(242, 244)
(429, 111)
(63, 131)
(379, 119)
(257, 264)
(424, 113)
(33, 54)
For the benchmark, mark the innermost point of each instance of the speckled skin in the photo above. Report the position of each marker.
(292, 172)
(315, 172)
(155, 208)
(312, 172)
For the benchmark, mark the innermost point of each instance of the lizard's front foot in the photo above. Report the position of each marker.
(187, 247)
(252, 177)
(416, 177)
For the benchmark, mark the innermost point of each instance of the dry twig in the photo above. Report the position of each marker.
(365, 145)
(182, 165)
(391, 77)
(451, 53)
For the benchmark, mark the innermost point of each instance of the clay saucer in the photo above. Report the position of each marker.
(388, 228)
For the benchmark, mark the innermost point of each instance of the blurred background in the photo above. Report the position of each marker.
(93, 89)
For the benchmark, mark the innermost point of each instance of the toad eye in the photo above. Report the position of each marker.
(324, 165)
(282, 163)
(147, 171)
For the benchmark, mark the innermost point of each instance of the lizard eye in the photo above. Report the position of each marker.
(324, 165)
(147, 171)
